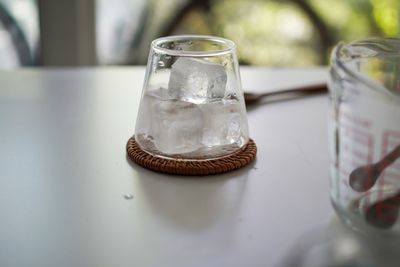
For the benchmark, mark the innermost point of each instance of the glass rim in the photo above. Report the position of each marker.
(337, 58)
(230, 46)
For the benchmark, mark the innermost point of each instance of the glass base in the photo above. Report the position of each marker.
(203, 153)
(353, 218)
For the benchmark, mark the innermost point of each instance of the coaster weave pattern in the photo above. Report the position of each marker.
(191, 167)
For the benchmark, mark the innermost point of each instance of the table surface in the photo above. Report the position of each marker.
(65, 180)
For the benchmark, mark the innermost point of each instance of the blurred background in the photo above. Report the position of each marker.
(274, 33)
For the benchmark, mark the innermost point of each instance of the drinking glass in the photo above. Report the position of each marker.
(192, 104)
(365, 135)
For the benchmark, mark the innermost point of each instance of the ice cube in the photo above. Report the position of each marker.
(176, 126)
(197, 81)
(144, 123)
(224, 123)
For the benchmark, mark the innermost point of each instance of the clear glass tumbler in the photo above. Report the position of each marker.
(365, 135)
(192, 104)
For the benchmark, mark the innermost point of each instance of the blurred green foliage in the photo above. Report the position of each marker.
(293, 33)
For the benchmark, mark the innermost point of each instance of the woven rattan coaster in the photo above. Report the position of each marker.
(192, 167)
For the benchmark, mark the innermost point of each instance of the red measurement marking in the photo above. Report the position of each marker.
(390, 140)
(354, 120)
(356, 135)
(370, 159)
(393, 174)
(353, 128)
(356, 145)
(363, 141)
(392, 144)
(356, 153)
(396, 164)
(393, 134)
(384, 210)
(356, 164)
(352, 163)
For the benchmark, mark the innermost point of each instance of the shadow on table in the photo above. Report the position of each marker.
(334, 245)
(195, 202)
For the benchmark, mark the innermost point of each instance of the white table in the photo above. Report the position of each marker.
(64, 176)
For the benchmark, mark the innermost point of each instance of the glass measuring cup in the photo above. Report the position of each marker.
(365, 135)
